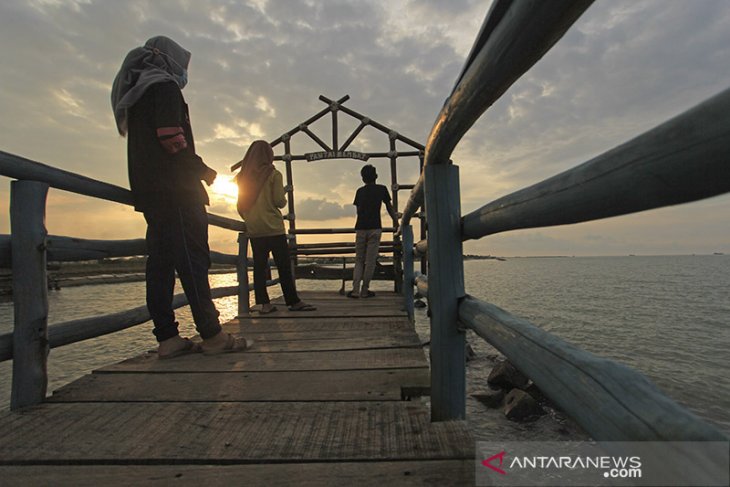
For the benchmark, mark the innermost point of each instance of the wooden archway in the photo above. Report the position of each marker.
(336, 150)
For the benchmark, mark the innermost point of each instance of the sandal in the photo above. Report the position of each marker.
(188, 347)
(266, 309)
(232, 345)
(302, 306)
(352, 295)
(370, 294)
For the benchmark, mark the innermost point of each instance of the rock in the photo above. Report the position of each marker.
(504, 375)
(536, 393)
(469, 353)
(492, 398)
(520, 406)
(418, 304)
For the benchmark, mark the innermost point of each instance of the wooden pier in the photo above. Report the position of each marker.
(333, 396)
(336, 396)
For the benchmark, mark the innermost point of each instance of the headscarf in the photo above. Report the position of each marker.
(256, 167)
(160, 60)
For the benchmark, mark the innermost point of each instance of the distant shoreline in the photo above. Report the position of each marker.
(114, 271)
(108, 271)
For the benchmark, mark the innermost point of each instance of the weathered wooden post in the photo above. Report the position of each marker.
(30, 292)
(445, 288)
(397, 259)
(407, 233)
(242, 272)
(291, 235)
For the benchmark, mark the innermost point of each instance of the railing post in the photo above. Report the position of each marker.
(30, 292)
(242, 271)
(446, 287)
(407, 233)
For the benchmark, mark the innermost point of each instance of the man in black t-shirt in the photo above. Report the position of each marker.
(368, 230)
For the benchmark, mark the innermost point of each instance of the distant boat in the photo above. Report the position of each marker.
(718, 253)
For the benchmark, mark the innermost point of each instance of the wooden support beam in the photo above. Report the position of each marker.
(446, 283)
(339, 250)
(327, 231)
(408, 271)
(291, 236)
(315, 138)
(355, 133)
(30, 292)
(309, 121)
(373, 123)
(242, 273)
(334, 108)
(329, 245)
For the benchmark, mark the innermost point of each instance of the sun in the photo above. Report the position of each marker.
(225, 188)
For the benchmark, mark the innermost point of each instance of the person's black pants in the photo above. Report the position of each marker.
(261, 246)
(177, 240)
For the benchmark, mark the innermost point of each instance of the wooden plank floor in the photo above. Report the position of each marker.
(319, 400)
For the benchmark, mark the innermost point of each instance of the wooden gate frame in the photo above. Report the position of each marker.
(335, 150)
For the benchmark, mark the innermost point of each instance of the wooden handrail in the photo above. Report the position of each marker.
(71, 249)
(86, 328)
(514, 36)
(329, 245)
(339, 251)
(682, 160)
(610, 401)
(17, 167)
(326, 231)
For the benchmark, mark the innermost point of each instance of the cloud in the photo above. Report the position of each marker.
(320, 209)
(258, 67)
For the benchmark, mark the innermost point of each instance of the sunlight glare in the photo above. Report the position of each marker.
(226, 188)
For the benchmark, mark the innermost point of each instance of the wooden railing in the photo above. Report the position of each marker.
(682, 160)
(28, 249)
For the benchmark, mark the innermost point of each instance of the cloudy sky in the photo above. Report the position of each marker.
(258, 67)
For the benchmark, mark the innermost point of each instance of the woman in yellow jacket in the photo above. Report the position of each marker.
(260, 196)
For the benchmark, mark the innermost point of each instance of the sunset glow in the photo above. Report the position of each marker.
(258, 67)
(225, 188)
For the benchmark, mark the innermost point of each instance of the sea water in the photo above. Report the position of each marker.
(666, 316)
